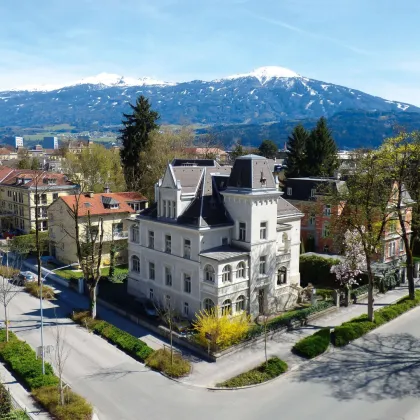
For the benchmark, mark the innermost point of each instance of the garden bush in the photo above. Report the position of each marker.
(263, 373)
(357, 327)
(326, 294)
(5, 401)
(161, 360)
(314, 345)
(317, 270)
(123, 340)
(33, 289)
(76, 407)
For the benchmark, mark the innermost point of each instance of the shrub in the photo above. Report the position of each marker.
(224, 329)
(314, 345)
(326, 294)
(263, 373)
(317, 270)
(76, 407)
(5, 401)
(123, 340)
(355, 328)
(161, 360)
(33, 289)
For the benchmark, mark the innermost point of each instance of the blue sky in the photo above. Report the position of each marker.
(371, 45)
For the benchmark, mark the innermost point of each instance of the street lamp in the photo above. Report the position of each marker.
(42, 317)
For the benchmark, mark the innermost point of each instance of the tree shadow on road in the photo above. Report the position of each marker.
(375, 368)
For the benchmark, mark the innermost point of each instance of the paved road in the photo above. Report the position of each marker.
(376, 378)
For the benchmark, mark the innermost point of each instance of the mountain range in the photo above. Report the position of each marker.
(266, 101)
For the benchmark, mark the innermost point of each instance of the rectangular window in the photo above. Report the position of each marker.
(289, 191)
(164, 208)
(225, 241)
(168, 301)
(281, 276)
(55, 196)
(187, 248)
(135, 234)
(392, 249)
(326, 231)
(169, 209)
(186, 309)
(168, 276)
(313, 191)
(263, 268)
(151, 294)
(242, 231)
(327, 210)
(168, 244)
(187, 283)
(151, 243)
(312, 219)
(401, 245)
(263, 230)
(173, 210)
(151, 271)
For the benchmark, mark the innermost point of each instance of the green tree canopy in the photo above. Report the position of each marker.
(321, 151)
(268, 149)
(134, 136)
(237, 151)
(297, 158)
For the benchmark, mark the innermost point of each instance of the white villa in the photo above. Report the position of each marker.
(217, 235)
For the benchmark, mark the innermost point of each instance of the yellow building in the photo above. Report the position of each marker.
(19, 188)
(113, 208)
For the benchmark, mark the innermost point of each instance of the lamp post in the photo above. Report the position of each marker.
(42, 315)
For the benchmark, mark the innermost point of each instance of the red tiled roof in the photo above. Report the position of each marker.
(4, 171)
(95, 205)
(35, 176)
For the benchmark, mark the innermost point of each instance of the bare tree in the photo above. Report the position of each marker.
(168, 315)
(8, 290)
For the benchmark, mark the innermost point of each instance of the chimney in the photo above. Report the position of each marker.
(106, 189)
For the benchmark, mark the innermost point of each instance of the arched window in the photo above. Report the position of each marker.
(209, 273)
(135, 264)
(135, 234)
(282, 276)
(227, 307)
(240, 303)
(240, 270)
(227, 273)
(208, 304)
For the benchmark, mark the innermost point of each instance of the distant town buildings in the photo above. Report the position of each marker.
(50, 142)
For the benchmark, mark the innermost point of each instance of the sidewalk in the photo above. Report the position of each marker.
(21, 396)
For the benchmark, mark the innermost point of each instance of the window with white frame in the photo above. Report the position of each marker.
(151, 270)
(326, 230)
(263, 264)
(391, 249)
(135, 234)
(313, 192)
(289, 191)
(135, 263)
(209, 273)
(240, 270)
(151, 294)
(187, 248)
(186, 309)
(225, 241)
(281, 276)
(173, 209)
(168, 276)
(168, 301)
(240, 304)
(263, 230)
(187, 283)
(312, 219)
(227, 273)
(401, 245)
(169, 209)
(227, 307)
(327, 210)
(151, 243)
(242, 231)
(168, 244)
(208, 305)
(164, 213)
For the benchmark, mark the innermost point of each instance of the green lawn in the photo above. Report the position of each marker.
(76, 274)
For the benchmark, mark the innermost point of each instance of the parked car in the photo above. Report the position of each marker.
(147, 307)
(25, 277)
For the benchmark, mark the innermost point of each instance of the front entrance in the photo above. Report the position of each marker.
(261, 301)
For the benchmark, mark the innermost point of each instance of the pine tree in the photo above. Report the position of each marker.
(135, 138)
(296, 162)
(321, 151)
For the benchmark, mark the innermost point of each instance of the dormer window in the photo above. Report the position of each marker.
(114, 206)
(110, 203)
(50, 181)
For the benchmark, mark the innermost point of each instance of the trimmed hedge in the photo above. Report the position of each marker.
(314, 345)
(22, 361)
(263, 373)
(126, 342)
(286, 320)
(317, 270)
(160, 360)
(357, 327)
(326, 294)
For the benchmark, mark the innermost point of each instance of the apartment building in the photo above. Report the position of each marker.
(112, 208)
(216, 236)
(19, 190)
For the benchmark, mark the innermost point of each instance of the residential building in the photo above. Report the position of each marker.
(217, 236)
(18, 191)
(18, 142)
(50, 142)
(112, 208)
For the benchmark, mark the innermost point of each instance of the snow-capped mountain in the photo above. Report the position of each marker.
(267, 94)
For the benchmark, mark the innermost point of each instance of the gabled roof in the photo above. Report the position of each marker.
(98, 204)
(36, 178)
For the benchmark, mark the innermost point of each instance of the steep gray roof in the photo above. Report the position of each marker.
(188, 176)
(285, 208)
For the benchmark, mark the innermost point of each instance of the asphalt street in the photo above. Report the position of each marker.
(376, 378)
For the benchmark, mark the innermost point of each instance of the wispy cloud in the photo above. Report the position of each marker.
(311, 34)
